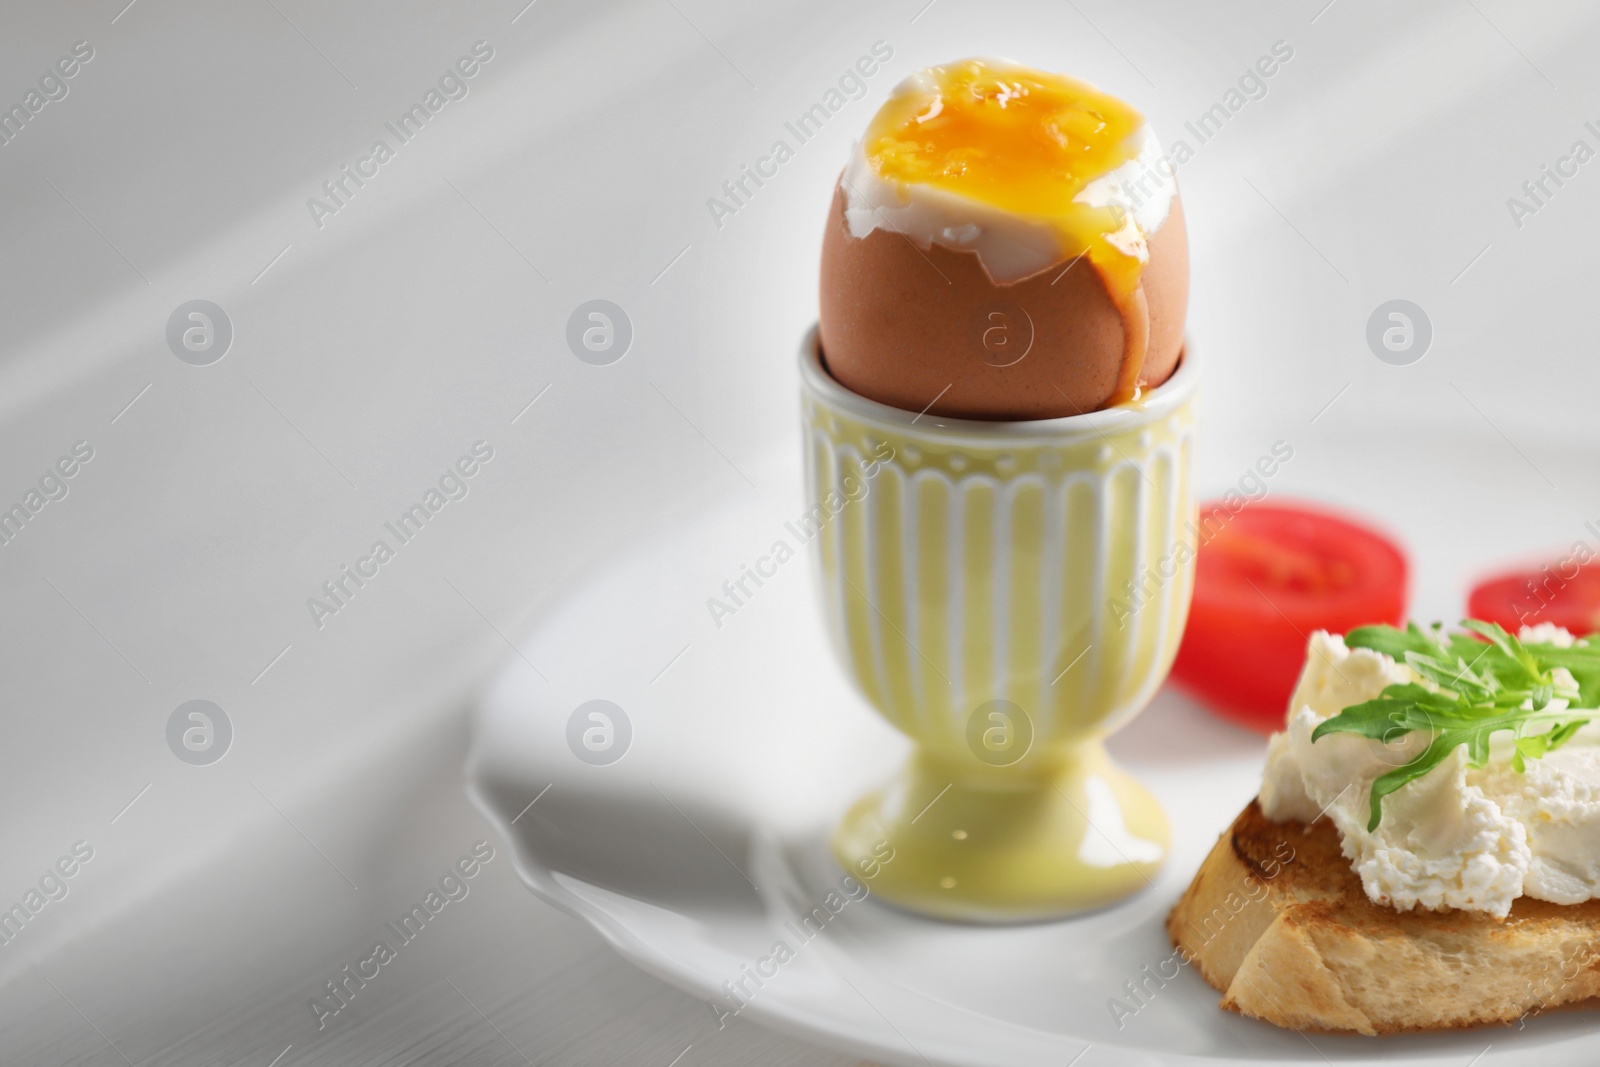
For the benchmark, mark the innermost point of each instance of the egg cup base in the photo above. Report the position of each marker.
(1080, 835)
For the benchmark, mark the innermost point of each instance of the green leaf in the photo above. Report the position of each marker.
(1392, 642)
(1400, 709)
(1563, 734)
(1583, 661)
(1458, 677)
(1472, 685)
(1511, 648)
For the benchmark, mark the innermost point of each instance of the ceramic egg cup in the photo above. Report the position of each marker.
(1006, 594)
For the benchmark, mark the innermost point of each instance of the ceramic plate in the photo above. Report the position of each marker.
(687, 824)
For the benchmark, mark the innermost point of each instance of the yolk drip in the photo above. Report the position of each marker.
(1026, 142)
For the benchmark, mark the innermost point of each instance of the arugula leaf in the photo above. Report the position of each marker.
(1399, 710)
(1392, 642)
(1458, 677)
(1472, 685)
(1536, 745)
(1510, 647)
(1583, 661)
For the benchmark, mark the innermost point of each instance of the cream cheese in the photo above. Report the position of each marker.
(1457, 837)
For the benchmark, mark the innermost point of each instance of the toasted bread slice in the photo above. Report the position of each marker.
(1277, 920)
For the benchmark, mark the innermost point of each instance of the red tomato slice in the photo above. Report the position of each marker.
(1566, 593)
(1265, 578)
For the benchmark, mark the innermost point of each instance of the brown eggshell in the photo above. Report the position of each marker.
(903, 325)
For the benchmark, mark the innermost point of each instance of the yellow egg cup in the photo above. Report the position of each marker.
(1006, 594)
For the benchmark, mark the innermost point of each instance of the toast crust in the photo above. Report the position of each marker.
(1277, 921)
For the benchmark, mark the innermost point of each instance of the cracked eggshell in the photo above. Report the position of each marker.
(901, 323)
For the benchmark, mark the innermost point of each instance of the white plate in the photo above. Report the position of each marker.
(695, 852)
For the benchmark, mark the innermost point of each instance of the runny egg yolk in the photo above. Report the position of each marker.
(1025, 142)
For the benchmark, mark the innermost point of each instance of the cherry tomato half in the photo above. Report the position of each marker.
(1267, 576)
(1566, 592)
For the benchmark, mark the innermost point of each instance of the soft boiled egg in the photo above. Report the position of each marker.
(1004, 244)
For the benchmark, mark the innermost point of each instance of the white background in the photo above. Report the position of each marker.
(371, 352)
